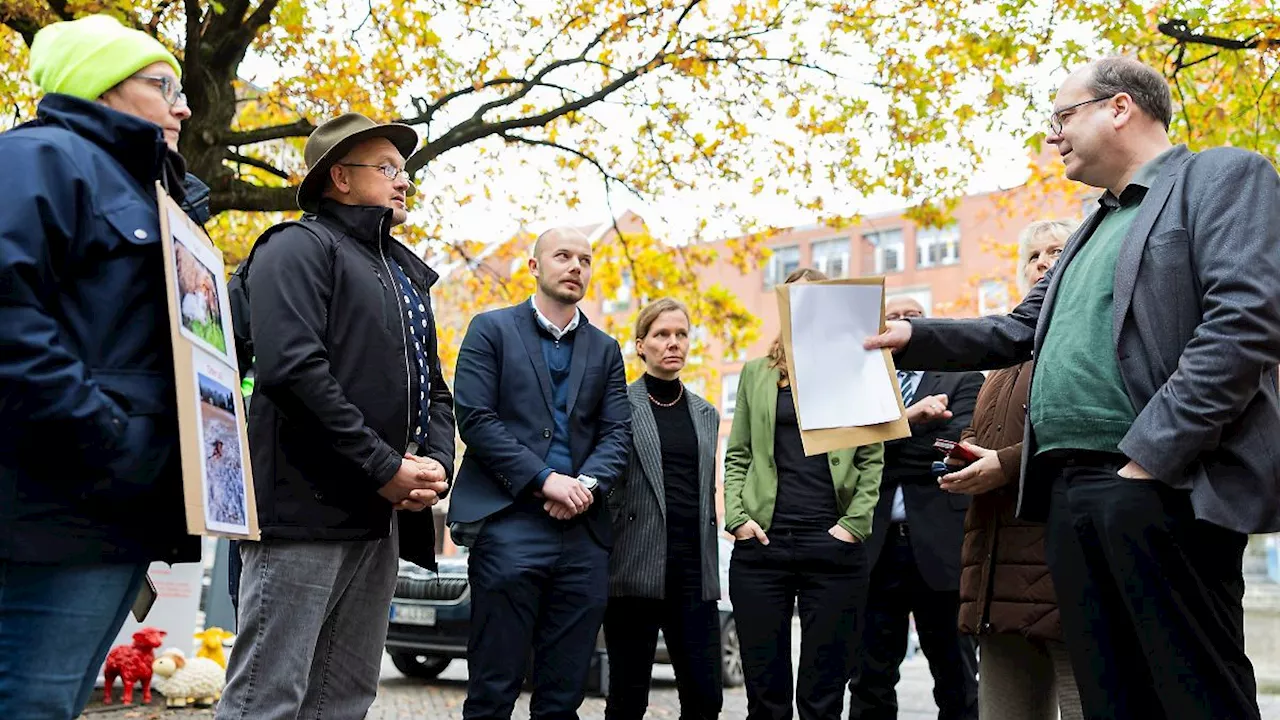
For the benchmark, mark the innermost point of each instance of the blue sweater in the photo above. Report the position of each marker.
(558, 355)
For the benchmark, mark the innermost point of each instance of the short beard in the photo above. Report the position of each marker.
(568, 297)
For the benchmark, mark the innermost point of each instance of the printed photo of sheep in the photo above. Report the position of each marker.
(198, 302)
(224, 481)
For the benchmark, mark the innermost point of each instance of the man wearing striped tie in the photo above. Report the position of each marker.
(914, 551)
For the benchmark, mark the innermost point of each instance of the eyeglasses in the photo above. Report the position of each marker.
(171, 89)
(1055, 119)
(390, 171)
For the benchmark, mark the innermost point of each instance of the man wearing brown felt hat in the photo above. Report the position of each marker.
(351, 422)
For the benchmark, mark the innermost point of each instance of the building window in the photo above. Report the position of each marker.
(728, 394)
(831, 257)
(698, 339)
(783, 262)
(993, 297)
(924, 296)
(621, 300)
(890, 257)
(937, 246)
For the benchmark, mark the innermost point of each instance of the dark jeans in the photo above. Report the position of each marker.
(691, 629)
(1150, 598)
(829, 579)
(56, 625)
(897, 590)
(536, 584)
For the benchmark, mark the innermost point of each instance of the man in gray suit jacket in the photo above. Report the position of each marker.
(1153, 412)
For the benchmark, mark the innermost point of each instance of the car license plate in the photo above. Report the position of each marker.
(412, 614)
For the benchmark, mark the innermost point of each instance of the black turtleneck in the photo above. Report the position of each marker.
(679, 441)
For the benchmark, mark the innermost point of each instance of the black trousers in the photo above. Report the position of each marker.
(897, 590)
(536, 585)
(691, 629)
(1150, 597)
(828, 577)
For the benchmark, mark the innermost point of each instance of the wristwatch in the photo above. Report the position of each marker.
(588, 482)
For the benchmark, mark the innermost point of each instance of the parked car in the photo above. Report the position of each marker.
(431, 621)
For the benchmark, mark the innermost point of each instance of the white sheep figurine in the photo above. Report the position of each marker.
(198, 681)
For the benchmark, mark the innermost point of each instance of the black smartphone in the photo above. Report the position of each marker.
(146, 598)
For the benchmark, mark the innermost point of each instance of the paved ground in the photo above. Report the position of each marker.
(401, 698)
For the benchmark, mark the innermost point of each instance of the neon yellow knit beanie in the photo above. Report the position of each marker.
(89, 56)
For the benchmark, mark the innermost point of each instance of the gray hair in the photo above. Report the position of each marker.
(1041, 229)
(1148, 88)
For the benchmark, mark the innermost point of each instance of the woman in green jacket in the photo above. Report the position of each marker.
(799, 523)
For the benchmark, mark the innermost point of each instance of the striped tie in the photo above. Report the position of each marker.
(906, 381)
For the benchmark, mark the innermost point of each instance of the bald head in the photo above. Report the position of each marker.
(903, 308)
(556, 234)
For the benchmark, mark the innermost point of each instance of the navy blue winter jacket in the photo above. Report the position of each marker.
(89, 465)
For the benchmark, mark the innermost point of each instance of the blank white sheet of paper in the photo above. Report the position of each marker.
(840, 384)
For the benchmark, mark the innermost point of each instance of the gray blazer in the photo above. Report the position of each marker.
(638, 504)
(1196, 330)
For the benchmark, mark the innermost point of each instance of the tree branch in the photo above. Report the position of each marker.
(25, 27)
(255, 162)
(1180, 30)
(241, 195)
(609, 177)
(154, 25)
(59, 8)
(300, 128)
(474, 129)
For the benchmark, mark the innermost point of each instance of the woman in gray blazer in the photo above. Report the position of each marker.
(664, 568)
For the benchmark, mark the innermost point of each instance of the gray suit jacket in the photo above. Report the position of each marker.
(1196, 329)
(638, 504)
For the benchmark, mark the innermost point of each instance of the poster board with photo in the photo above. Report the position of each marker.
(217, 477)
(839, 438)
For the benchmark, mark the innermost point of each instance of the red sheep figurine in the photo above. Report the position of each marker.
(132, 664)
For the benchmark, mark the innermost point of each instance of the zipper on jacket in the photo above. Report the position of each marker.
(408, 377)
(984, 624)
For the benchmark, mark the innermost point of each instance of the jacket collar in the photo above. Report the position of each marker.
(371, 225)
(136, 144)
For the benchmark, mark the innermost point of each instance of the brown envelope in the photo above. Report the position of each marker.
(817, 442)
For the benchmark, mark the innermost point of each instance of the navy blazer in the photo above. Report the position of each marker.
(502, 400)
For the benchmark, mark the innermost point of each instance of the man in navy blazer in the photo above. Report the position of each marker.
(541, 401)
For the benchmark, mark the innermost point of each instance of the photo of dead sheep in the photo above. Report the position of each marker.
(224, 476)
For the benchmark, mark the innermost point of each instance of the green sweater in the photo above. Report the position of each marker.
(1078, 398)
(751, 479)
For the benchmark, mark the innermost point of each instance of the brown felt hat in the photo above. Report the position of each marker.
(335, 139)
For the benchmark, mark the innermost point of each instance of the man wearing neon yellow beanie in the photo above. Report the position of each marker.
(90, 479)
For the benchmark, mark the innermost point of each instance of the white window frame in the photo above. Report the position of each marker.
(776, 272)
(728, 394)
(927, 238)
(824, 251)
(922, 295)
(621, 300)
(993, 297)
(878, 239)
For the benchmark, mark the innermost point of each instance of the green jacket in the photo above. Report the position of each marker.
(751, 480)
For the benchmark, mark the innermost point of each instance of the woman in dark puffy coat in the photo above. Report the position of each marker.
(1006, 595)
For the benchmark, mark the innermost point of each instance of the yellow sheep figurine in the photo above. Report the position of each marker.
(210, 645)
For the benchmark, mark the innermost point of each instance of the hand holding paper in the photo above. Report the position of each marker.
(895, 337)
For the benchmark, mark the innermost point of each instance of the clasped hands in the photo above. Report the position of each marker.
(565, 497)
(417, 485)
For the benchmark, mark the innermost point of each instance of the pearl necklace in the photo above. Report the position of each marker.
(660, 404)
